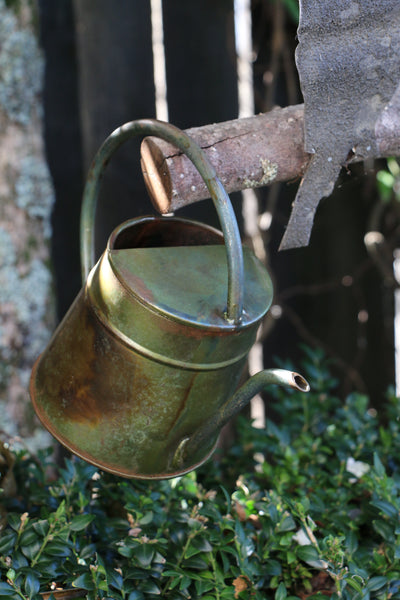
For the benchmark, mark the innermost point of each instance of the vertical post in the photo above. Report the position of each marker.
(160, 77)
(396, 271)
(244, 51)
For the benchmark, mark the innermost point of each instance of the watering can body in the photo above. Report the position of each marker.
(140, 376)
(145, 355)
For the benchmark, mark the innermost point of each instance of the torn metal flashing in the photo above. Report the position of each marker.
(348, 60)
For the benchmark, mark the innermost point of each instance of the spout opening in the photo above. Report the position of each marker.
(300, 383)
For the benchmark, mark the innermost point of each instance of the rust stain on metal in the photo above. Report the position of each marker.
(183, 403)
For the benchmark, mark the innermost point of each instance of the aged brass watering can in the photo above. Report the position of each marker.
(140, 376)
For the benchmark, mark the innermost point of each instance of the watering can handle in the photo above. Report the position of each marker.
(221, 200)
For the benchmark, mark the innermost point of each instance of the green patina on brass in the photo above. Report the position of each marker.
(141, 374)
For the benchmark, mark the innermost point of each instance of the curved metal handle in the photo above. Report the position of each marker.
(221, 200)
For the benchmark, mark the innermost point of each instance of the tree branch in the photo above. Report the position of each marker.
(246, 153)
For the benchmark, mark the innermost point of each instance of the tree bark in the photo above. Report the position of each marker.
(26, 200)
(246, 153)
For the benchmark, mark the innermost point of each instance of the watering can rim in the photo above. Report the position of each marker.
(258, 288)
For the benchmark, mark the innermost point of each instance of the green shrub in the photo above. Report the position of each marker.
(307, 507)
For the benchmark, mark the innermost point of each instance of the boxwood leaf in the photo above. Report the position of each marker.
(144, 553)
(353, 583)
(273, 567)
(41, 527)
(383, 529)
(287, 524)
(281, 592)
(147, 518)
(150, 587)
(58, 549)
(196, 563)
(202, 586)
(309, 555)
(376, 583)
(14, 521)
(81, 522)
(32, 585)
(386, 507)
(379, 468)
(28, 537)
(84, 581)
(198, 545)
(136, 595)
(7, 542)
(30, 550)
(6, 589)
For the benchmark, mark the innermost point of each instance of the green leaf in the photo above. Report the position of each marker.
(386, 507)
(150, 587)
(57, 548)
(84, 581)
(378, 466)
(60, 512)
(32, 585)
(376, 583)
(6, 589)
(14, 521)
(144, 554)
(7, 541)
(126, 551)
(287, 524)
(184, 583)
(31, 550)
(81, 522)
(147, 518)
(351, 542)
(196, 563)
(273, 567)
(136, 595)
(115, 579)
(353, 583)
(197, 546)
(202, 586)
(309, 554)
(28, 537)
(384, 529)
(11, 574)
(41, 527)
(281, 592)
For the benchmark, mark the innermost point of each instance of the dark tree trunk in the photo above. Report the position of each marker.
(63, 143)
(116, 85)
(201, 73)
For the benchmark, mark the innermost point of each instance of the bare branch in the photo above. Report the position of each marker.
(246, 153)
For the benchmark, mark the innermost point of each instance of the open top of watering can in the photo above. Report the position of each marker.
(176, 272)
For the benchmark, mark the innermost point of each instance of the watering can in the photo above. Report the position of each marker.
(140, 376)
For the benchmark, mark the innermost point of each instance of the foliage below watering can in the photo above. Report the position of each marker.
(315, 513)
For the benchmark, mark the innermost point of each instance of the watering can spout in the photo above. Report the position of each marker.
(253, 386)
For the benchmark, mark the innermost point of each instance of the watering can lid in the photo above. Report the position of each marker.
(189, 283)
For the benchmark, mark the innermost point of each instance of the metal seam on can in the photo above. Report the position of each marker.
(187, 366)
